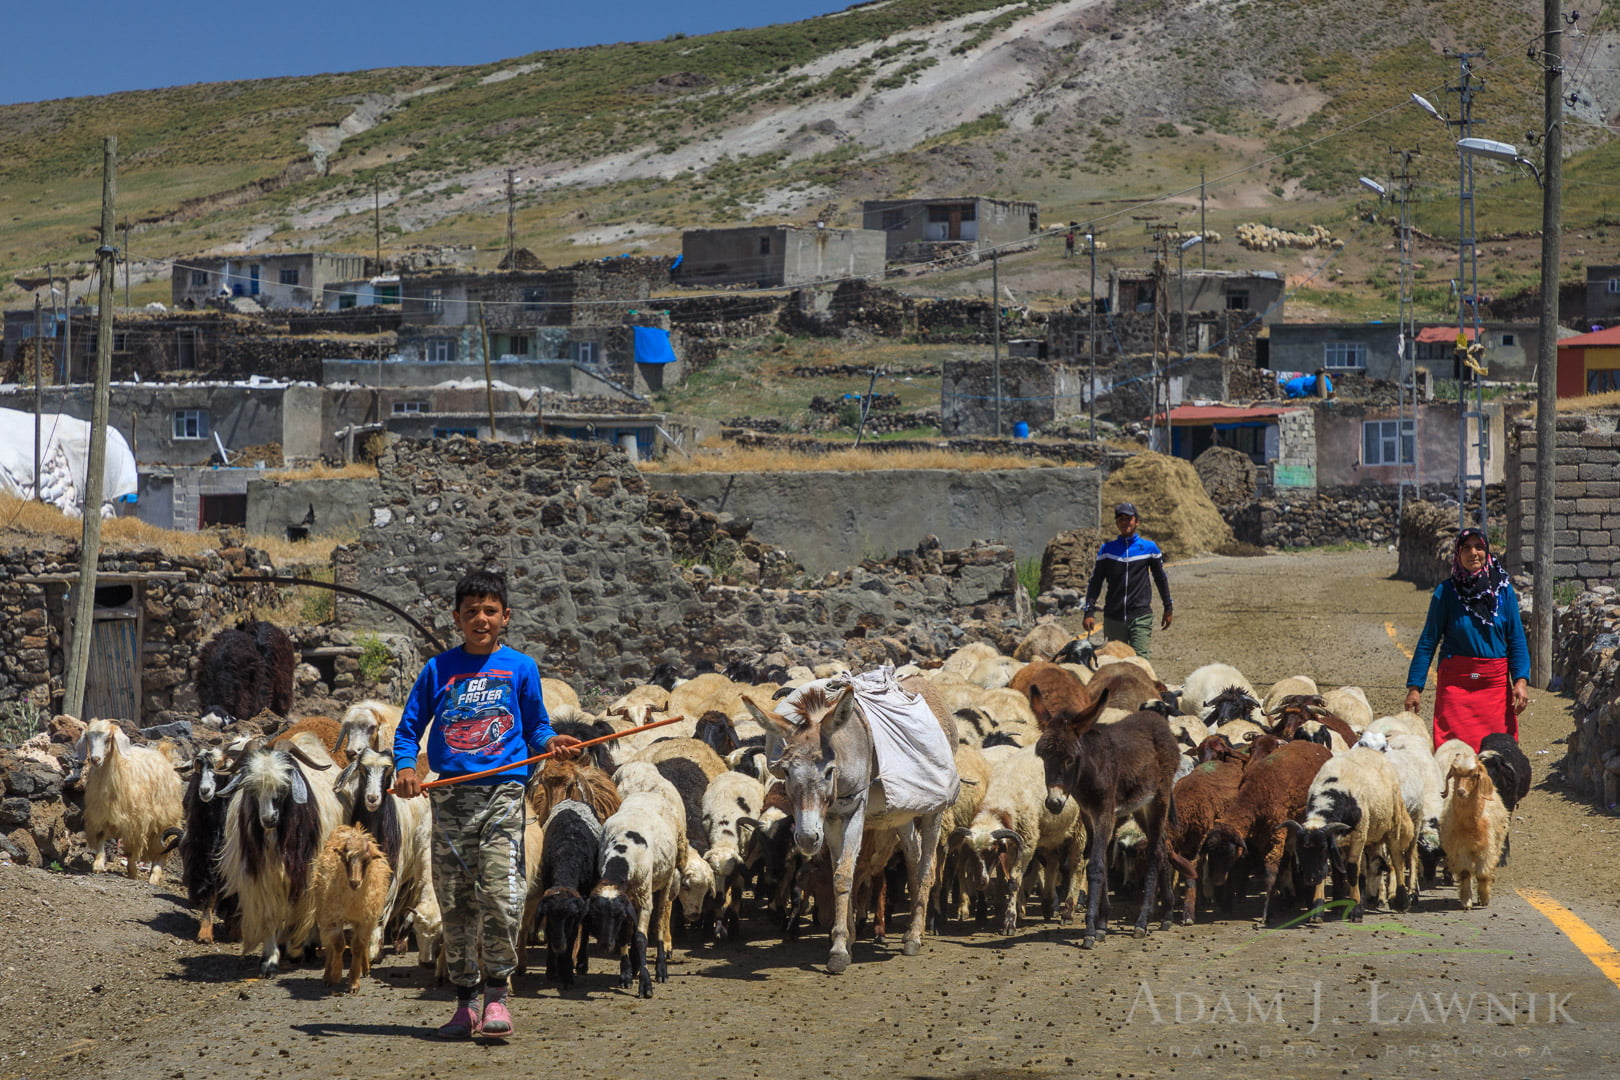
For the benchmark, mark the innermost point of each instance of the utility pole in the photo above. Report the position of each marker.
(995, 307)
(1468, 320)
(489, 385)
(1203, 229)
(1406, 472)
(126, 262)
(1091, 328)
(376, 220)
(511, 219)
(84, 601)
(39, 394)
(1552, 192)
(1161, 331)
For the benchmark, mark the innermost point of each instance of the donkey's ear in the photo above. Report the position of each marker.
(769, 719)
(842, 712)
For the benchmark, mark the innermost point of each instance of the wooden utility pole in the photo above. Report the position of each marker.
(1091, 326)
(84, 600)
(39, 394)
(489, 385)
(511, 219)
(126, 263)
(1552, 192)
(995, 307)
(376, 222)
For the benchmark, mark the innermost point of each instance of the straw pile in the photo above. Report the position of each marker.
(1176, 512)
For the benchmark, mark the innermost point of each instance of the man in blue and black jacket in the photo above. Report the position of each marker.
(1127, 565)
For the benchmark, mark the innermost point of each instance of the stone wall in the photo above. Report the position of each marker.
(183, 601)
(1361, 514)
(1586, 663)
(599, 591)
(1586, 510)
(1231, 334)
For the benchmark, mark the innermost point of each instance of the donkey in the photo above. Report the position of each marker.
(831, 770)
(1112, 771)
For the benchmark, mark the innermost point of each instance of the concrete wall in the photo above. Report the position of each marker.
(995, 221)
(1510, 348)
(1339, 444)
(1586, 512)
(1601, 304)
(171, 498)
(324, 507)
(1206, 290)
(776, 255)
(1295, 467)
(833, 520)
(259, 276)
(560, 375)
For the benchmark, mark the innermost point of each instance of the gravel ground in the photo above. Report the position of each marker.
(101, 978)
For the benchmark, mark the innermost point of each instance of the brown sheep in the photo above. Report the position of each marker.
(1274, 791)
(324, 728)
(557, 780)
(1200, 798)
(350, 888)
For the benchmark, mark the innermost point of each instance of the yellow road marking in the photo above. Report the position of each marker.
(1591, 943)
(1389, 628)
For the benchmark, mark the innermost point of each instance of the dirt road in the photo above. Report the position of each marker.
(98, 976)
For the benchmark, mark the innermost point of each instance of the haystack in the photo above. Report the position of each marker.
(1176, 512)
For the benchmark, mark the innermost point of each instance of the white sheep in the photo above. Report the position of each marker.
(1403, 723)
(1205, 683)
(1349, 703)
(1013, 821)
(643, 850)
(1293, 684)
(1353, 809)
(1422, 784)
(131, 793)
(731, 805)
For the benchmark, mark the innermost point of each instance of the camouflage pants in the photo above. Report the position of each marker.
(478, 875)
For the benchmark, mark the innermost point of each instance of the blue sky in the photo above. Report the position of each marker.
(98, 46)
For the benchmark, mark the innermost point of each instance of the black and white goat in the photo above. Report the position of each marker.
(201, 843)
(568, 871)
(282, 810)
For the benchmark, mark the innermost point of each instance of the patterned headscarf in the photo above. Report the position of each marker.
(1478, 592)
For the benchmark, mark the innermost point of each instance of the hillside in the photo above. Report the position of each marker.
(1084, 106)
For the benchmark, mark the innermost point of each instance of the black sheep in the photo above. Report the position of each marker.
(228, 675)
(567, 876)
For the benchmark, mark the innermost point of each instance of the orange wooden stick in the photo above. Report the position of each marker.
(443, 780)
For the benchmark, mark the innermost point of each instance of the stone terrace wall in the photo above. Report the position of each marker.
(1586, 513)
(597, 591)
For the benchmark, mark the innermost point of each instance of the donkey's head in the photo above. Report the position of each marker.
(807, 763)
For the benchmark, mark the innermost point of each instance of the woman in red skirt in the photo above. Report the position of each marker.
(1484, 660)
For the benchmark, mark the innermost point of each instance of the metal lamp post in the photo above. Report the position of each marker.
(1181, 281)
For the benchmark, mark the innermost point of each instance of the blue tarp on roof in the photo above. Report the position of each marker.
(652, 346)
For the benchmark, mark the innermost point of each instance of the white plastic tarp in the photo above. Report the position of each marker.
(64, 460)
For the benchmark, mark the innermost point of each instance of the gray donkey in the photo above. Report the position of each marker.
(831, 772)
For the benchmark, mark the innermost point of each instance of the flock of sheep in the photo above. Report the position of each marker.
(1084, 775)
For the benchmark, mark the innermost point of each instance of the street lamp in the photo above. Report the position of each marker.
(1374, 186)
(1498, 151)
(1423, 103)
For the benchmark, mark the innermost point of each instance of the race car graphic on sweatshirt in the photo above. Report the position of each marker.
(480, 712)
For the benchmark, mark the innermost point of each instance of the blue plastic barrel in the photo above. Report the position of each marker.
(1021, 430)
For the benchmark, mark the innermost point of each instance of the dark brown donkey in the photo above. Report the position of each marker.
(1112, 771)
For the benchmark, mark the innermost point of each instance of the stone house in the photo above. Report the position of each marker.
(779, 255)
(1260, 291)
(291, 280)
(1603, 293)
(1031, 391)
(1373, 348)
(599, 315)
(917, 230)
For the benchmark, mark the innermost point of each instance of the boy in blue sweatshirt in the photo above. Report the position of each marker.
(481, 706)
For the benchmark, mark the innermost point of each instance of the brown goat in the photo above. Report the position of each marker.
(1126, 685)
(1112, 771)
(350, 890)
(1473, 828)
(1295, 712)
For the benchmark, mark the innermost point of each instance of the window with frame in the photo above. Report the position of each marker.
(433, 301)
(409, 408)
(441, 350)
(199, 279)
(534, 299)
(517, 345)
(191, 423)
(446, 432)
(1510, 340)
(765, 245)
(1614, 285)
(893, 219)
(1388, 442)
(582, 352)
(289, 277)
(1237, 300)
(1344, 354)
(385, 294)
(347, 300)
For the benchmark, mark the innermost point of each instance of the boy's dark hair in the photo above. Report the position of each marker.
(482, 583)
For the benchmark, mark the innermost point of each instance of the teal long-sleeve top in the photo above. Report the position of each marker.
(1454, 632)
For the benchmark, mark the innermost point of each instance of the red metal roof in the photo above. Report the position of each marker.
(1600, 338)
(1190, 414)
(1439, 335)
